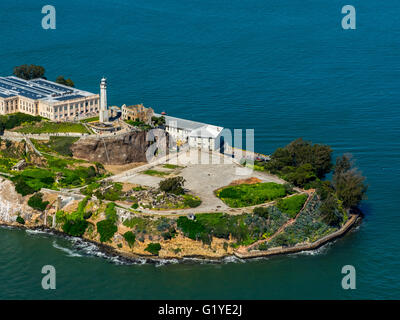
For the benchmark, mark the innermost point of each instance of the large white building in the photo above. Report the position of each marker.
(196, 134)
(40, 97)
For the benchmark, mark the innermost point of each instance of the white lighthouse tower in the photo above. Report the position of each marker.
(103, 116)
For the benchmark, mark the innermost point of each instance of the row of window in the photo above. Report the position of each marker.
(75, 106)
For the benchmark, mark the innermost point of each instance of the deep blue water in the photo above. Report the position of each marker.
(287, 70)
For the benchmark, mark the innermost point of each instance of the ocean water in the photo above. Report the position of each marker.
(285, 69)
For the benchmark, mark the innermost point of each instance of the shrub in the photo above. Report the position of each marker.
(190, 201)
(20, 220)
(36, 202)
(111, 212)
(153, 248)
(172, 185)
(171, 233)
(22, 187)
(135, 205)
(191, 229)
(261, 211)
(292, 205)
(106, 229)
(130, 238)
(75, 228)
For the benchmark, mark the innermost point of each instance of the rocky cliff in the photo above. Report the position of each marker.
(118, 149)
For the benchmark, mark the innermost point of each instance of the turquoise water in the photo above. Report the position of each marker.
(286, 70)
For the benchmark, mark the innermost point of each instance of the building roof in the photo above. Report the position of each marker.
(207, 131)
(39, 89)
(197, 129)
(181, 123)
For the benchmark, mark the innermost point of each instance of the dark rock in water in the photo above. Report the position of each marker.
(118, 149)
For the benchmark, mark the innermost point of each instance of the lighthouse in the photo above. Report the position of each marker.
(103, 116)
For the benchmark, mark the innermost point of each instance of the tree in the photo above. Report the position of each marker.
(299, 153)
(330, 212)
(322, 159)
(348, 182)
(29, 72)
(280, 158)
(67, 82)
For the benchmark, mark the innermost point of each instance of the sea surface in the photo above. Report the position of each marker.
(286, 69)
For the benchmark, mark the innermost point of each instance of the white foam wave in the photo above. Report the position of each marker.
(70, 253)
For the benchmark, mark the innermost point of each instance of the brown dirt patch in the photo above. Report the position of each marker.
(251, 180)
(119, 168)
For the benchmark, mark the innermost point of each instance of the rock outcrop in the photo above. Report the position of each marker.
(118, 149)
(12, 204)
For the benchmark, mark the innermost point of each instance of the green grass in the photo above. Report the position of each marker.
(92, 119)
(52, 127)
(151, 172)
(171, 166)
(292, 205)
(60, 145)
(244, 195)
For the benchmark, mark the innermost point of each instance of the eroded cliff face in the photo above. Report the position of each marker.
(12, 204)
(118, 149)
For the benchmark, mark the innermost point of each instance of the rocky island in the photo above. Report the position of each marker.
(172, 208)
(73, 165)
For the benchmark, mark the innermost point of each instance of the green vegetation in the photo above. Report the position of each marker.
(172, 185)
(60, 145)
(75, 223)
(32, 180)
(130, 237)
(107, 228)
(20, 220)
(244, 195)
(10, 121)
(157, 173)
(67, 82)
(139, 124)
(304, 165)
(75, 228)
(191, 201)
(29, 72)
(171, 166)
(111, 193)
(292, 205)
(245, 228)
(301, 162)
(309, 226)
(92, 119)
(153, 248)
(52, 127)
(36, 202)
(261, 211)
(348, 182)
(158, 121)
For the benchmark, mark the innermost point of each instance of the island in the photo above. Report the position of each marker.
(85, 174)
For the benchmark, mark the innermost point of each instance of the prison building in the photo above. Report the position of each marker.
(197, 135)
(40, 97)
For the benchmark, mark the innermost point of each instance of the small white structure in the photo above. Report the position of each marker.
(206, 137)
(103, 114)
(196, 134)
